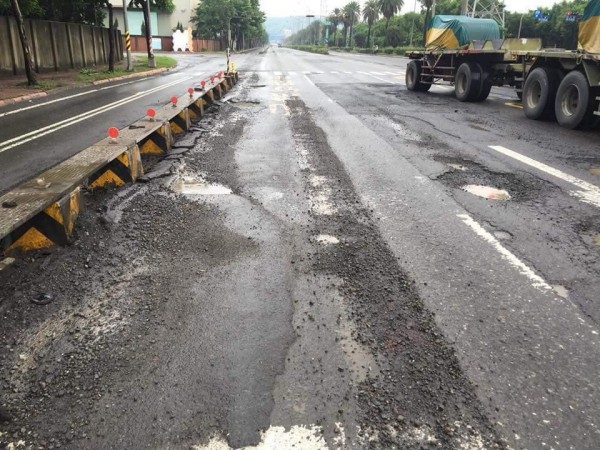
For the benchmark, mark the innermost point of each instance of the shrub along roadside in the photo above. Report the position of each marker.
(370, 51)
(310, 48)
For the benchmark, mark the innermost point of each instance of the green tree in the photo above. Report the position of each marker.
(156, 5)
(371, 13)
(214, 18)
(336, 17)
(352, 16)
(389, 8)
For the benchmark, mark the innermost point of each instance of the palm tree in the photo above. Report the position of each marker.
(371, 14)
(389, 8)
(352, 15)
(335, 18)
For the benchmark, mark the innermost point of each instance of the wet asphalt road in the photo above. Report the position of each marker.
(333, 286)
(41, 133)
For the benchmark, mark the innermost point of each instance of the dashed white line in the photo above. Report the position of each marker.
(334, 72)
(589, 192)
(536, 281)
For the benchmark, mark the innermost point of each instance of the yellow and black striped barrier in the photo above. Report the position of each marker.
(43, 211)
(128, 41)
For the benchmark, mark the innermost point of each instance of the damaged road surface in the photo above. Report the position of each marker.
(323, 262)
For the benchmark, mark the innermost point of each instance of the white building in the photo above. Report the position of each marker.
(162, 24)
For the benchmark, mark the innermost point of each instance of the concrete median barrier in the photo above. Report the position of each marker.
(41, 212)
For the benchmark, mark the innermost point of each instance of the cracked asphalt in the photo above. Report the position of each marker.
(308, 269)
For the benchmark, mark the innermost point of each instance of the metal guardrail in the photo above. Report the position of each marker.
(41, 212)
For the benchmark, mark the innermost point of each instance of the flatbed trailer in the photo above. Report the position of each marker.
(551, 83)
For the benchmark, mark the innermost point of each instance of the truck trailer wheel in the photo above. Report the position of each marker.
(413, 78)
(539, 93)
(467, 82)
(486, 86)
(573, 104)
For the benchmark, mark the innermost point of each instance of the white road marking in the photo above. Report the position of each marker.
(309, 80)
(590, 193)
(305, 72)
(334, 72)
(536, 281)
(348, 73)
(383, 79)
(377, 73)
(62, 99)
(36, 134)
(364, 73)
(277, 74)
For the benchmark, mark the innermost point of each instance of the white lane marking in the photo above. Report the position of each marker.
(292, 73)
(383, 79)
(277, 74)
(364, 73)
(305, 72)
(20, 140)
(348, 73)
(309, 80)
(62, 99)
(27, 108)
(334, 72)
(590, 193)
(377, 73)
(536, 281)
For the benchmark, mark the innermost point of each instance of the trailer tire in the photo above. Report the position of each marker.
(467, 82)
(573, 105)
(413, 77)
(486, 87)
(539, 93)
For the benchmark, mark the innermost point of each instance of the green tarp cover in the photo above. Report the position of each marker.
(458, 31)
(592, 9)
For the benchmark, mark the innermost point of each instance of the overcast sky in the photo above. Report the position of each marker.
(303, 7)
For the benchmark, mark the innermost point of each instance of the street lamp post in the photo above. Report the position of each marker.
(520, 25)
(309, 16)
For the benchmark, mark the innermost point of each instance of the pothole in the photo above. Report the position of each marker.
(326, 239)
(458, 167)
(502, 235)
(244, 103)
(198, 186)
(561, 291)
(491, 193)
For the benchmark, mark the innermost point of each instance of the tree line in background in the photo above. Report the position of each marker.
(379, 24)
(89, 12)
(238, 24)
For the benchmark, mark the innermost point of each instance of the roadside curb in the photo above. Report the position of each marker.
(23, 98)
(133, 75)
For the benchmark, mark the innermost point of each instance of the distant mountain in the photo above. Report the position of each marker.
(281, 27)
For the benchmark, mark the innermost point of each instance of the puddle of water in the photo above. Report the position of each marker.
(502, 235)
(326, 239)
(595, 171)
(458, 167)
(561, 291)
(193, 186)
(487, 192)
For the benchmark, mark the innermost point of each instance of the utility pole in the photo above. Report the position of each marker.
(127, 37)
(433, 5)
(464, 7)
(151, 60)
